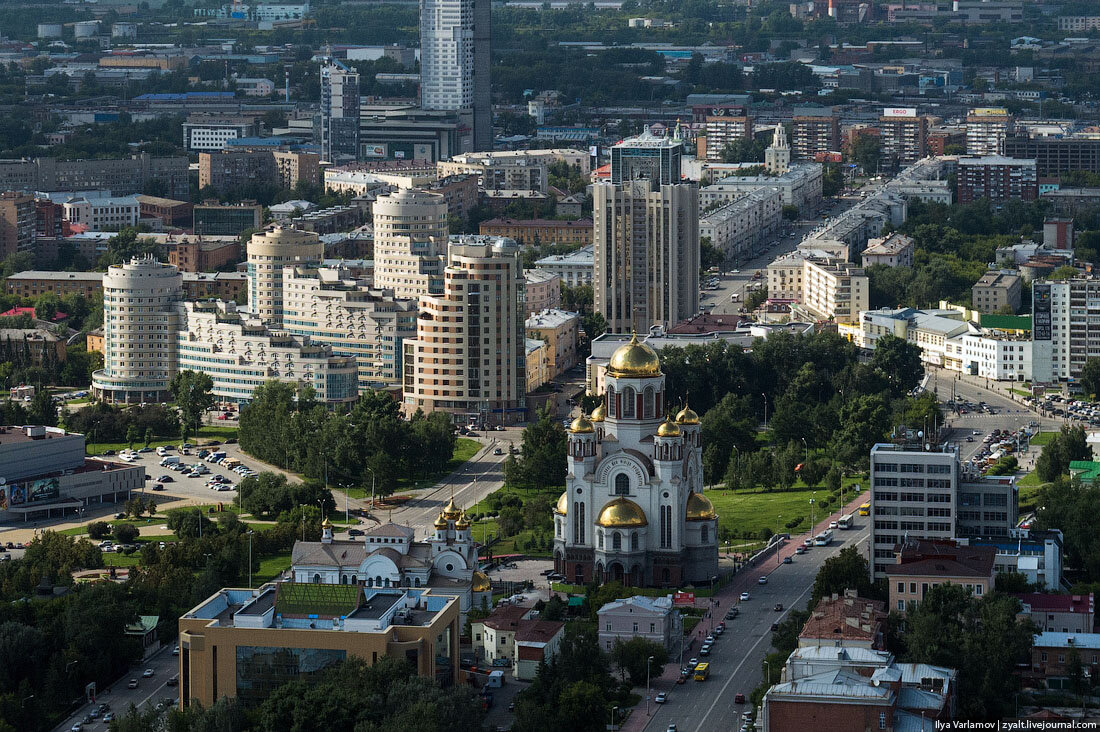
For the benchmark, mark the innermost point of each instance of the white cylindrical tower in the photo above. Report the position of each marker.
(139, 331)
(410, 239)
(268, 252)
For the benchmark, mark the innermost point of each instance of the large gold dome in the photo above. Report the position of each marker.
(635, 359)
(699, 508)
(599, 414)
(452, 511)
(563, 503)
(622, 513)
(481, 582)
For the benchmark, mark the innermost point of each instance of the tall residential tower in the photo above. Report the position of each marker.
(455, 37)
(646, 238)
(339, 111)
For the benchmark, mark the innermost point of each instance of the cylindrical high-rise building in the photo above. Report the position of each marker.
(268, 252)
(410, 239)
(139, 331)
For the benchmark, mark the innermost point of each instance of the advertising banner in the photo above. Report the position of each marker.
(683, 598)
(47, 489)
(899, 112)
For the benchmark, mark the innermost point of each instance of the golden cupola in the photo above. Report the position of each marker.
(441, 522)
(562, 506)
(634, 360)
(599, 414)
(481, 582)
(581, 426)
(463, 522)
(699, 508)
(451, 511)
(687, 415)
(668, 428)
(622, 513)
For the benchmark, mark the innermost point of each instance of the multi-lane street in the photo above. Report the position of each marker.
(150, 691)
(738, 653)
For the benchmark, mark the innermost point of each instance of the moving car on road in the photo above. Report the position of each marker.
(744, 596)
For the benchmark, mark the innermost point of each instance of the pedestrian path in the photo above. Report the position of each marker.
(722, 601)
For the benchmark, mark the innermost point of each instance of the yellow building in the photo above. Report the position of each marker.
(537, 364)
(244, 643)
(559, 329)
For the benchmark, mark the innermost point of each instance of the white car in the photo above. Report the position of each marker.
(744, 595)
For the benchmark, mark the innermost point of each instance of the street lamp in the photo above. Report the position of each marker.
(813, 514)
(613, 710)
(765, 410)
(777, 517)
(648, 661)
(768, 666)
(250, 532)
(371, 487)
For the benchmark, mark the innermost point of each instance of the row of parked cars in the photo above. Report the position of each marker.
(1068, 407)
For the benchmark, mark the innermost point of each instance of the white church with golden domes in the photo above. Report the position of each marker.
(633, 509)
(389, 555)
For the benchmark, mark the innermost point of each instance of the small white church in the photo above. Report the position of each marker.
(388, 555)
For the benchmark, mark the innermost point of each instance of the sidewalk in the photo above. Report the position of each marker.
(723, 600)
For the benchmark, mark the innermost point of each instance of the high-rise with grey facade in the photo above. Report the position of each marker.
(339, 111)
(455, 38)
(646, 238)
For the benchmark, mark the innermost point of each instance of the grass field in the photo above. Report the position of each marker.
(207, 432)
(270, 567)
(1043, 438)
(464, 450)
(745, 514)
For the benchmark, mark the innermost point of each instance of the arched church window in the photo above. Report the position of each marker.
(611, 402)
(622, 484)
(628, 402)
(634, 541)
(316, 579)
(616, 541)
(599, 539)
(705, 533)
(648, 401)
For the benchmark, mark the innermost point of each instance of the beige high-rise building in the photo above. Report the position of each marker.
(410, 239)
(139, 331)
(468, 357)
(646, 253)
(331, 306)
(268, 252)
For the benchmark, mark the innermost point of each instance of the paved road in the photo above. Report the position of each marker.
(736, 658)
(149, 692)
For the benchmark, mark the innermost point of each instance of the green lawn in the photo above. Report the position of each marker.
(270, 567)
(1043, 438)
(464, 450)
(745, 514)
(219, 433)
(111, 559)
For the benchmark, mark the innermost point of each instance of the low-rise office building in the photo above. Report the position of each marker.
(203, 254)
(652, 618)
(46, 475)
(922, 564)
(997, 290)
(1037, 554)
(846, 621)
(172, 213)
(560, 330)
(895, 250)
(575, 268)
(1059, 613)
(242, 643)
(230, 219)
(510, 634)
(543, 290)
(540, 231)
(799, 186)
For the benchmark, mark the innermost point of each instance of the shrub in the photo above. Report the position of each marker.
(98, 529)
(125, 533)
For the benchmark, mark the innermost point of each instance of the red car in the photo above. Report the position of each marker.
(739, 699)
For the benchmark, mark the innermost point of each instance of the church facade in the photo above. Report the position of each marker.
(389, 555)
(633, 509)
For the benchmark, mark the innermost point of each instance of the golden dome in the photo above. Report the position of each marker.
(326, 524)
(563, 503)
(481, 582)
(581, 425)
(668, 428)
(635, 359)
(441, 522)
(699, 508)
(452, 511)
(599, 414)
(687, 415)
(622, 513)
(463, 522)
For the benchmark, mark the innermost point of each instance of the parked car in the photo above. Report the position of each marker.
(661, 697)
(744, 596)
(788, 560)
(355, 532)
(763, 580)
(779, 607)
(158, 487)
(165, 478)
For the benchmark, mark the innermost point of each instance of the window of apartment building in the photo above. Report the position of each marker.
(886, 496)
(901, 588)
(912, 497)
(886, 467)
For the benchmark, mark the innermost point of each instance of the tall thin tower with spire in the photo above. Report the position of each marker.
(777, 157)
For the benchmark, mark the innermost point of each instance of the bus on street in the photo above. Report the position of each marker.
(702, 671)
(845, 522)
(823, 538)
(865, 509)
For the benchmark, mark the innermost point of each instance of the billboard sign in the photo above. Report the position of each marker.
(899, 112)
(374, 151)
(683, 598)
(989, 112)
(47, 489)
(17, 494)
(1040, 308)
